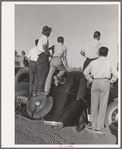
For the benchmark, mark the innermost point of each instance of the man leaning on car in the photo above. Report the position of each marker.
(90, 51)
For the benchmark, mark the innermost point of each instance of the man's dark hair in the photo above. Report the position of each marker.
(103, 51)
(36, 41)
(97, 34)
(60, 39)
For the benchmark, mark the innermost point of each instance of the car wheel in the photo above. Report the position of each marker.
(81, 124)
(82, 120)
(39, 106)
(112, 116)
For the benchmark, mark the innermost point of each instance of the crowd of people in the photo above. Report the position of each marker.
(97, 69)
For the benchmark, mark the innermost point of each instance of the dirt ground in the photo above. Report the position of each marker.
(30, 133)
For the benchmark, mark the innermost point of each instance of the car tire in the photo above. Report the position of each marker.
(81, 124)
(111, 116)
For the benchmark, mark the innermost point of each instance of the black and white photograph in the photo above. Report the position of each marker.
(61, 74)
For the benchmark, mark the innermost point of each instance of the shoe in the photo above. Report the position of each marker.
(89, 125)
(56, 80)
(97, 131)
(34, 93)
(89, 130)
(105, 130)
(45, 94)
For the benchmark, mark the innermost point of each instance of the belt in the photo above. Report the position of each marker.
(32, 61)
(100, 78)
(92, 58)
(56, 56)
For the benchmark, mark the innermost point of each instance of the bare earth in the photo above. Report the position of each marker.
(30, 133)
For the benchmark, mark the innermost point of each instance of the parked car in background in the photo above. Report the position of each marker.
(62, 109)
(20, 62)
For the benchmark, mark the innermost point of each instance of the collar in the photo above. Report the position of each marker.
(44, 35)
(102, 57)
(60, 43)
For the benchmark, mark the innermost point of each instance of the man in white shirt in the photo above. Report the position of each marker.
(60, 52)
(90, 51)
(32, 58)
(42, 61)
(99, 72)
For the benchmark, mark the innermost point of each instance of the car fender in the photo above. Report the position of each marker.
(20, 72)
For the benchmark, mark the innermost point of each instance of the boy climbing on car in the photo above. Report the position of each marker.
(56, 63)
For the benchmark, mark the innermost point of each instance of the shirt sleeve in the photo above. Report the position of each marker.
(42, 41)
(115, 74)
(65, 51)
(29, 55)
(87, 72)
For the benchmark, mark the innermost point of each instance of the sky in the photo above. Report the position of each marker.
(76, 23)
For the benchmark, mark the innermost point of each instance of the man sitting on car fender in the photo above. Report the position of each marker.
(99, 72)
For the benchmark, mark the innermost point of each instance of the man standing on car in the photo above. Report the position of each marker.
(42, 61)
(99, 72)
(90, 51)
(32, 58)
(56, 63)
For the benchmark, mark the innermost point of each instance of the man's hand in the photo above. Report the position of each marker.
(89, 82)
(82, 53)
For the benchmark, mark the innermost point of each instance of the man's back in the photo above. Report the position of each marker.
(32, 55)
(59, 50)
(101, 68)
(91, 49)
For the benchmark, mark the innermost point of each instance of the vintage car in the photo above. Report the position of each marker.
(62, 109)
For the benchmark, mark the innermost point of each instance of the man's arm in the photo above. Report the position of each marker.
(45, 47)
(87, 74)
(52, 48)
(66, 63)
(82, 53)
(115, 74)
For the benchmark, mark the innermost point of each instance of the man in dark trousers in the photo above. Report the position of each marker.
(90, 51)
(32, 58)
(42, 61)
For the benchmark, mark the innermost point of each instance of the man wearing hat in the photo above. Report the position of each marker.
(90, 51)
(42, 61)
